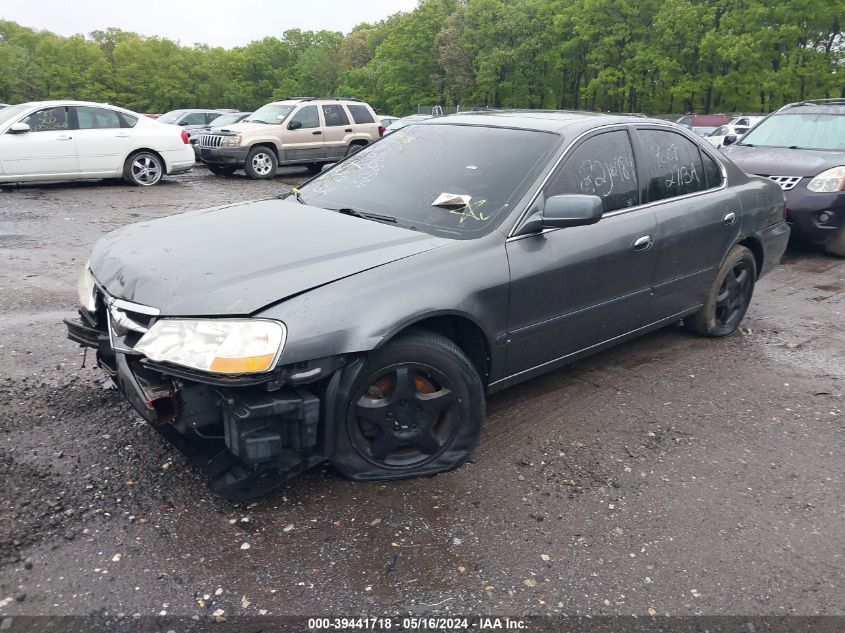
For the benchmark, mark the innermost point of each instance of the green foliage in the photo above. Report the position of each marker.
(611, 55)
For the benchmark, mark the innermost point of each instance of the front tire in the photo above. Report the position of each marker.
(143, 169)
(729, 296)
(416, 409)
(221, 170)
(261, 163)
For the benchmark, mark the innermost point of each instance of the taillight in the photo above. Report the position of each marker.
(185, 138)
(381, 130)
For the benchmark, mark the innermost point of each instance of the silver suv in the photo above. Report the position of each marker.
(297, 131)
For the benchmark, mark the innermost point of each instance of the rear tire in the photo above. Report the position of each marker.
(314, 168)
(416, 409)
(143, 169)
(354, 149)
(836, 246)
(729, 296)
(261, 163)
(221, 170)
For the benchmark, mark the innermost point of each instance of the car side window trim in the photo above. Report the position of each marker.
(632, 127)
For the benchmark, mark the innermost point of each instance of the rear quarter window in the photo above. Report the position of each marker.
(360, 114)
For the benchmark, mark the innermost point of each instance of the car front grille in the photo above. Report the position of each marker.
(126, 322)
(212, 141)
(786, 182)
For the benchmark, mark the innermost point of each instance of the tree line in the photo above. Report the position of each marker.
(652, 56)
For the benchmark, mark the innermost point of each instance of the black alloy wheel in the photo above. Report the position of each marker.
(416, 409)
(734, 296)
(405, 417)
(729, 296)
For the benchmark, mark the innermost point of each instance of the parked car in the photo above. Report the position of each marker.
(405, 121)
(802, 148)
(385, 121)
(194, 119)
(300, 131)
(717, 137)
(222, 121)
(712, 121)
(71, 140)
(362, 319)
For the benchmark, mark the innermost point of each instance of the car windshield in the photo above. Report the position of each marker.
(272, 114)
(11, 112)
(805, 131)
(447, 180)
(226, 119)
(170, 117)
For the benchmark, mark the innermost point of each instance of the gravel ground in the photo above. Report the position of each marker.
(672, 475)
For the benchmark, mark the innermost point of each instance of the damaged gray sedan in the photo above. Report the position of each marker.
(362, 319)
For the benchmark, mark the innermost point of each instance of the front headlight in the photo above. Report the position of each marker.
(222, 346)
(828, 181)
(230, 141)
(85, 289)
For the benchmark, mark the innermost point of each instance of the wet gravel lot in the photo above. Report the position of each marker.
(672, 475)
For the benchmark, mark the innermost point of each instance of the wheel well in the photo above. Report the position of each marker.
(151, 151)
(463, 333)
(753, 245)
(269, 146)
(359, 141)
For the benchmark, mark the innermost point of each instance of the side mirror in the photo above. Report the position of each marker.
(730, 139)
(571, 210)
(562, 211)
(294, 125)
(19, 128)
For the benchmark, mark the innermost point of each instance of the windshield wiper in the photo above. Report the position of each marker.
(365, 215)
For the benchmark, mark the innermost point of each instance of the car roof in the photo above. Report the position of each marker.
(68, 102)
(539, 120)
(296, 100)
(819, 106)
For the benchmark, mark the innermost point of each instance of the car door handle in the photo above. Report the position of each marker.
(349, 129)
(642, 243)
(123, 135)
(317, 132)
(64, 138)
(729, 219)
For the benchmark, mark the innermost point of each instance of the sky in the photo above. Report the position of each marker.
(225, 23)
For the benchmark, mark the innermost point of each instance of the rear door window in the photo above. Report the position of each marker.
(88, 118)
(603, 166)
(334, 115)
(360, 113)
(673, 164)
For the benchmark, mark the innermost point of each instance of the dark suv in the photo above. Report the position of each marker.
(802, 148)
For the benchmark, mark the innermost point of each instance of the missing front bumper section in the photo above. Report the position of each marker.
(247, 436)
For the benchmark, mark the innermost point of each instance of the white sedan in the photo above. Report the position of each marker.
(74, 140)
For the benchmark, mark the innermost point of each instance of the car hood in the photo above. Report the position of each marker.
(245, 128)
(237, 259)
(780, 161)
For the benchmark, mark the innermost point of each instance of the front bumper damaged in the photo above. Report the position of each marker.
(248, 434)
